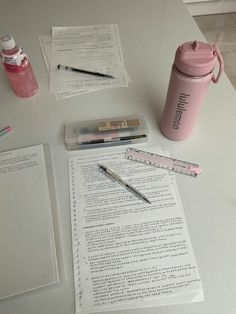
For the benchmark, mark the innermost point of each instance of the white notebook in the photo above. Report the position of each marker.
(28, 257)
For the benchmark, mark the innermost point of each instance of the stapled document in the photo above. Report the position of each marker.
(95, 48)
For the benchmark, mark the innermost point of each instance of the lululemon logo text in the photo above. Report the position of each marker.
(181, 107)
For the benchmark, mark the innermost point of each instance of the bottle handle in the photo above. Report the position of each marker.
(217, 53)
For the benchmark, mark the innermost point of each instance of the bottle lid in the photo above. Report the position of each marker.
(197, 58)
(7, 42)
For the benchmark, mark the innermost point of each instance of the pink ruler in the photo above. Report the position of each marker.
(164, 162)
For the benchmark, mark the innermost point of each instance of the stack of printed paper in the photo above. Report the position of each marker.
(27, 245)
(88, 48)
(127, 253)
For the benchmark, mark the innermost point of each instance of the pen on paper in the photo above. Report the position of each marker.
(68, 68)
(114, 177)
(5, 130)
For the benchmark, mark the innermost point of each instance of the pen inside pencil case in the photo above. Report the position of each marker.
(105, 132)
(89, 137)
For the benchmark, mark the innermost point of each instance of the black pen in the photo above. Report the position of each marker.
(114, 177)
(114, 139)
(65, 67)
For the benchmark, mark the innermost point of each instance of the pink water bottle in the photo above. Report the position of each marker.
(191, 75)
(18, 68)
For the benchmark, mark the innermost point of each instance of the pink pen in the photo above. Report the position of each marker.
(5, 130)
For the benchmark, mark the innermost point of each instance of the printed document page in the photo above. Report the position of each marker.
(127, 253)
(93, 48)
(28, 257)
(46, 47)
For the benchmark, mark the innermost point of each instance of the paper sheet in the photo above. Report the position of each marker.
(28, 258)
(94, 48)
(46, 47)
(126, 253)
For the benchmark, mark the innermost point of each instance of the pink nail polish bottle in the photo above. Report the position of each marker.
(191, 75)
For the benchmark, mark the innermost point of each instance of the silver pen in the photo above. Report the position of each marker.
(114, 177)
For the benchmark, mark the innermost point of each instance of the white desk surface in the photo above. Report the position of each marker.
(150, 31)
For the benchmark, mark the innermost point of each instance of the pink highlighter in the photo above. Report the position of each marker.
(191, 75)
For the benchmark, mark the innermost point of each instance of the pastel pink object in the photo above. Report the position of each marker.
(191, 75)
(161, 161)
(18, 68)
